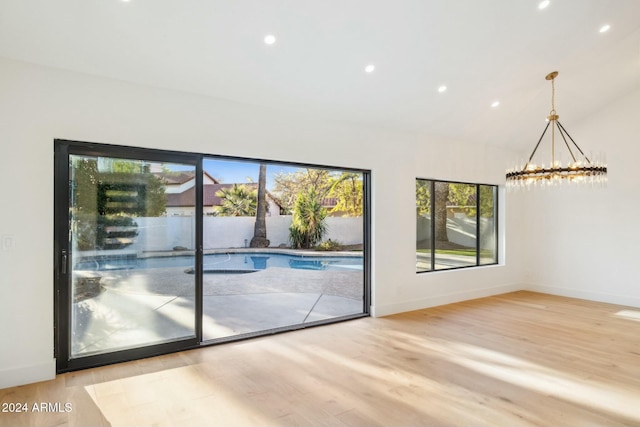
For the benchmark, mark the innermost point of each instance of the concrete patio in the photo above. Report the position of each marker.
(144, 306)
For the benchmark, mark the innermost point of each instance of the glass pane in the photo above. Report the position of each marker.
(423, 225)
(299, 262)
(129, 253)
(455, 225)
(488, 224)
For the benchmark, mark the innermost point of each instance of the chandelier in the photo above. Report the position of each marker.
(578, 169)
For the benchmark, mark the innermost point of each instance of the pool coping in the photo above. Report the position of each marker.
(274, 251)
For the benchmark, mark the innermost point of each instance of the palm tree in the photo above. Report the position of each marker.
(259, 239)
(442, 196)
(236, 201)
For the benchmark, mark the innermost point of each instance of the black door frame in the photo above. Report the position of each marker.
(62, 271)
(62, 284)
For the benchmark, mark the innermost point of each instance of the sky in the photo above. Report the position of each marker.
(239, 172)
(228, 171)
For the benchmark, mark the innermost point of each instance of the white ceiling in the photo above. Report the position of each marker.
(481, 50)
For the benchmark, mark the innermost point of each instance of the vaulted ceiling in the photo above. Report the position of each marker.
(482, 51)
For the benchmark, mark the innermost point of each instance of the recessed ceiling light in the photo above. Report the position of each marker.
(269, 39)
(543, 4)
(369, 68)
(605, 28)
(442, 88)
(495, 104)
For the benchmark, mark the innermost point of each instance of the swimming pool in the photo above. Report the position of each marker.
(237, 262)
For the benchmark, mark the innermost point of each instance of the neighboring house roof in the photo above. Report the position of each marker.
(209, 197)
(329, 202)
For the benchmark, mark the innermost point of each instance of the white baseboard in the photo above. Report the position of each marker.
(20, 375)
(585, 294)
(417, 304)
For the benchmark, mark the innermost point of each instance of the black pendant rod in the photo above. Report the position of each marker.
(574, 143)
(562, 133)
(537, 145)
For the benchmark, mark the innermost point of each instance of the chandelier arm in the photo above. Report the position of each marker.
(537, 145)
(574, 143)
(562, 133)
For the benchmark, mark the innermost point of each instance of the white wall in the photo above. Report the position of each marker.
(584, 242)
(398, 288)
(39, 104)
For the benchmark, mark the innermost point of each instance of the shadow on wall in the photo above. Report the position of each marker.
(461, 231)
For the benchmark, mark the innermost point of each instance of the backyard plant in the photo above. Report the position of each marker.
(308, 224)
(449, 196)
(330, 245)
(238, 200)
(345, 188)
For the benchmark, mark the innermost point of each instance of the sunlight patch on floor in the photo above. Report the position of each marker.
(629, 315)
(586, 392)
(178, 395)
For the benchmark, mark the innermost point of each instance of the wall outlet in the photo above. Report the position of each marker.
(6, 242)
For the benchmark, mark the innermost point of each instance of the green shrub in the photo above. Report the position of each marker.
(308, 224)
(329, 245)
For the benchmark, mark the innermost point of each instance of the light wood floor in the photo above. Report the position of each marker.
(518, 359)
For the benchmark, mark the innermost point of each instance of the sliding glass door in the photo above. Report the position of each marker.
(160, 251)
(123, 262)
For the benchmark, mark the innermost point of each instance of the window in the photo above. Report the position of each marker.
(311, 265)
(456, 225)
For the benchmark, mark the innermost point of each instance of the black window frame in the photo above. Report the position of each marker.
(432, 233)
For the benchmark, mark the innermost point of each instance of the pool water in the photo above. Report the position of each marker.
(240, 261)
